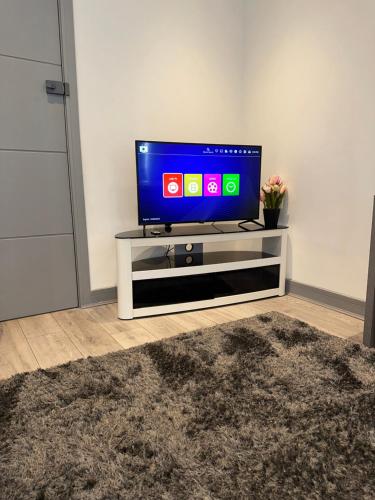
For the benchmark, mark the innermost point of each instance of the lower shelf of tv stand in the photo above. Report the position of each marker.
(204, 304)
(172, 294)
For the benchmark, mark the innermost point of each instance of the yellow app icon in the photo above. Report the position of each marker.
(193, 184)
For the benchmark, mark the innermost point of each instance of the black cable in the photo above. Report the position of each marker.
(169, 248)
(167, 256)
(169, 261)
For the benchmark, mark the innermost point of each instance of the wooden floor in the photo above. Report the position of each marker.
(51, 339)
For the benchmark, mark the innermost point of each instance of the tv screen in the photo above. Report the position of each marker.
(181, 182)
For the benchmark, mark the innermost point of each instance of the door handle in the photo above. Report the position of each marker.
(57, 88)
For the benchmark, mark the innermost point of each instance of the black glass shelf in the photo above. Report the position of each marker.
(205, 258)
(197, 230)
(201, 287)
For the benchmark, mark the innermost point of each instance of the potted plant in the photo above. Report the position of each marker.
(272, 194)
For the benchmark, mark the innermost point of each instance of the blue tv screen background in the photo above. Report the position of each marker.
(156, 206)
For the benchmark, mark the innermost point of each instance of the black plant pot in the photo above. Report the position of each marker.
(271, 217)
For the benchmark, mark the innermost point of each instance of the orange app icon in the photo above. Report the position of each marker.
(172, 185)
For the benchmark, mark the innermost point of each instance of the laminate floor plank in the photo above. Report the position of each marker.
(134, 337)
(54, 349)
(50, 339)
(162, 326)
(36, 326)
(16, 355)
(87, 334)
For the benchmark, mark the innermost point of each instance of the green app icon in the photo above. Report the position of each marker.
(193, 184)
(231, 184)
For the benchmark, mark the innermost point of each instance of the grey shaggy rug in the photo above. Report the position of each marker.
(262, 408)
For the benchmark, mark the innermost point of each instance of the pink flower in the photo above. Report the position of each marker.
(266, 188)
(283, 189)
(275, 179)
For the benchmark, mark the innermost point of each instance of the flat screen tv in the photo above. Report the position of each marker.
(189, 182)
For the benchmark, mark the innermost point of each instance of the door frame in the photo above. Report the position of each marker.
(69, 74)
(369, 330)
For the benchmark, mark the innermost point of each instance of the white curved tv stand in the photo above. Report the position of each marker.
(168, 284)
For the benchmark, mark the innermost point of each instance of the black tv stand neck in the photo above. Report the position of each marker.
(168, 228)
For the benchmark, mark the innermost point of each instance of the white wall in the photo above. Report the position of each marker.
(310, 100)
(294, 75)
(149, 69)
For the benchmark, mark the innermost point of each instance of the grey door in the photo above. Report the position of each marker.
(37, 259)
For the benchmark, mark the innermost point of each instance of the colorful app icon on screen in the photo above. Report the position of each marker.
(172, 185)
(193, 184)
(231, 184)
(212, 184)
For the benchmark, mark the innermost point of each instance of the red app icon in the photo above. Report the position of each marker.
(172, 185)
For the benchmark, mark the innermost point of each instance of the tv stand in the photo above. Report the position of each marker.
(168, 228)
(161, 285)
